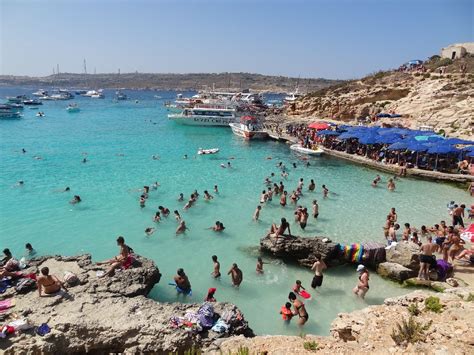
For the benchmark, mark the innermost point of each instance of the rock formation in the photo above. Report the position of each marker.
(110, 314)
(368, 331)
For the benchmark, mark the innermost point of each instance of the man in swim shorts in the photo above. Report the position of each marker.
(318, 267)
(182, 281)
(426, 258)
(236, 275)
(217, 267)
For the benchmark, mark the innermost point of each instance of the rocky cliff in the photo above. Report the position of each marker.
(110, 314)
(442, 97)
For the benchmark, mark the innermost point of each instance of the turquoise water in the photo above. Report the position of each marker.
(120, 139)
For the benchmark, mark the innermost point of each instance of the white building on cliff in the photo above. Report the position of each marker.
(457, 50)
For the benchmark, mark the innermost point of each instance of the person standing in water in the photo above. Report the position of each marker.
(311, 186)
(177, 216)
(391, 184)
(217, 267)
(363, 285)
(256, 214)
(318, 267)
(259, 268)
(315, 209)
(283, 199)
(325, 191)
(182, 227)
(210, 295)
(182, 282)
(299, 309)
(236, 275)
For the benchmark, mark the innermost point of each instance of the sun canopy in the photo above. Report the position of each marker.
(319, 125)
(442, 149)
(388, 138)
(431, 137)
(247, 118)
(327, 132)
(457, 141)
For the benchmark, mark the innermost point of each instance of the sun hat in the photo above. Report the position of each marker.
(360, 268)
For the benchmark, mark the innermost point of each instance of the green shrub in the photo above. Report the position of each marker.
(409, 331)
(192, 351)
(426, 75)
(470, 298)
(243, 350)
(413, 309)
(432, 303)
(310, 345)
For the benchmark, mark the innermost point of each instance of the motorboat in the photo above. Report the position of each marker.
(62, 95)
(98, 96)
(120, 96)
(206, 115)
(32, 102)
(73, 108)
(16, 106)
(17, 99)
(248, 128)
(95, 94)
(300, 149)
(208, 151)
(80, 92)
(292, 97)
(8, 112)
(40, 93)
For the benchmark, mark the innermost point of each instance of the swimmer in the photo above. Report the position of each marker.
(157, 217)
(216, 190)
(311, 185)
(256, 214)
(149, 231)
(218, 227)
(281, 188)
(286, 312)
(155, 185)
(217, 266)
(84, 160)
(67, 189)
(20, 183)
(185, 156)
(318, 267)
(155, 157)
(164, 211)
(223, 166)
(228, 165)
(207, 196)
(298, 287)
(283, 198)
(391, 185)
(300, 183)
(325, 191)
(315, 208)
(182, 227)
(236, 275)
(376, 181)
(177, 216)
(142, 201)
(294, 165)
(181, 197)
(146, 190)
(23, 150)
(259, 268)
(196, 195)
(284, 175)
(263, 197)
(76, 199)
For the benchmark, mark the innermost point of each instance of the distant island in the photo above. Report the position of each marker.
(192, 81)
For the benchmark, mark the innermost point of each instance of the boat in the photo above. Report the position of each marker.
(16, 106)
(62, 95)
(292, 97)
(80, 92)
(73, 108)
(17, 99)
(40, 114)
(7, 111)
(206, 115)
(120, 96)
(300, 149)
(248, 128)
(40, 93)
(32, 102)
(95, 94)
(208, 151)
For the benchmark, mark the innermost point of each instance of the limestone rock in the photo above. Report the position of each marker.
(405, 254)
(394, 271)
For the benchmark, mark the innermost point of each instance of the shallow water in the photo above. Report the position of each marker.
(120, 138)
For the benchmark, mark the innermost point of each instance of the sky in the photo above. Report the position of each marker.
(334, 39)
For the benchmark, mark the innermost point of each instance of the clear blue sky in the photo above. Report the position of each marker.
(319, 38)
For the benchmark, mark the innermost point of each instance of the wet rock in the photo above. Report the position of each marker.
(395, 271)
(405, 254)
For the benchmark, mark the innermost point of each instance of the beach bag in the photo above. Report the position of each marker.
(25, 285)
(206, 315)
(43, 329)
(70, 278)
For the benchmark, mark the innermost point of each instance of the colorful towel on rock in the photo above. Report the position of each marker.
(353, 252)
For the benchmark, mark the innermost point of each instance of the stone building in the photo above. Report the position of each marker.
(457, 50)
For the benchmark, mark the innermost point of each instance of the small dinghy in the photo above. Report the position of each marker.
(298, 148)
(208, 151)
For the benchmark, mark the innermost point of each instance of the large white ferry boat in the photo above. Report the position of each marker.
(206, 115)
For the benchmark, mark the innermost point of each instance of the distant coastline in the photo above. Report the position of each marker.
(152, 81)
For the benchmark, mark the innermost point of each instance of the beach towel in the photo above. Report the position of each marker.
(353, 252)
(25, 285)
(220, 327)
(206, 315)
(8, 303)
(128, 262)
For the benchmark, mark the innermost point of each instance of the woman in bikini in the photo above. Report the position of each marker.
(363, 285)
(48, 284)
(299, 309)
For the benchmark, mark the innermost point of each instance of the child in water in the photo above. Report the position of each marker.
(259, 265)
(298, 287)
(286, 312)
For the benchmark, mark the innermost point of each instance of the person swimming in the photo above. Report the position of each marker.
(218, 227)
(182, 227)
(76, 199)
(164, 211)
(142, 201)
(157, 217)
(149, 231)
(181, 197)
(177, 215)
(286, 312)
(311, 185)
(207, 196)
(216, 190)
(325, 191)
(259, 268)
(182, 281)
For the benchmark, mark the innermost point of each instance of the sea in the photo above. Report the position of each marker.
(118, 140)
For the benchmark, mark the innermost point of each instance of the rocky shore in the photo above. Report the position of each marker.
(444, 330)
(110, 314)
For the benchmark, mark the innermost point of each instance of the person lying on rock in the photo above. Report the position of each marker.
(276, 231)
(48, 284)
(119, 260)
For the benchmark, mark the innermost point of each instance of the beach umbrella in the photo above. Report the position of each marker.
(388, 138)
(457, 141)
(327, 132)
(401, 145)
(442, 149)
(319, 125)
(349, 135)
(369, 138)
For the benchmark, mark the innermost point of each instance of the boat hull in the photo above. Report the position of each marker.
(240, 131)
(202, 121)
(298, 148)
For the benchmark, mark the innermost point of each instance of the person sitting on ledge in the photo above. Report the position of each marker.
(48, 284)
(276, 231)
(120, 260)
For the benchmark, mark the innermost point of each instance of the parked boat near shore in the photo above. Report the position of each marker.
(206, 115)
(248, 128)
(300, 149)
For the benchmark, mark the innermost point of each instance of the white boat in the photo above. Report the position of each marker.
(292, 97)
(40, 93)
(16, 99)
(248, 128)
(208, 151)
(32, 102)
(73, 108)
(7, 111)
(95, 94)
(206, 115)
(298, 148)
